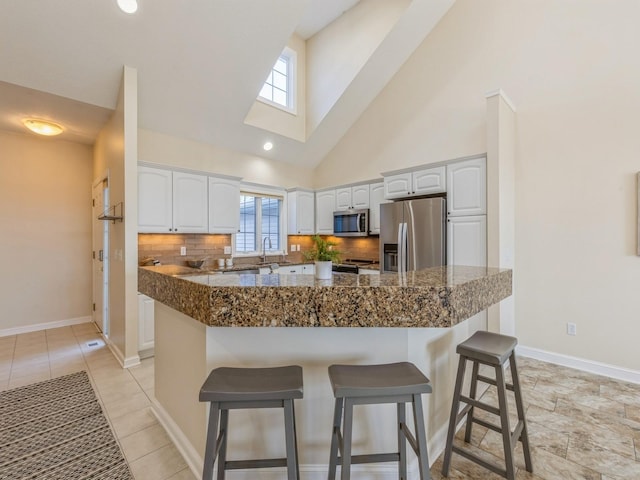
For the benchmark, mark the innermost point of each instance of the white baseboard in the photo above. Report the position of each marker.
(44, 326)
(606, 370)
(190, 455)
(124, 362)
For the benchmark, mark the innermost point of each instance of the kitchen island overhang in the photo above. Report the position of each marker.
(429, 311)
(437, 297)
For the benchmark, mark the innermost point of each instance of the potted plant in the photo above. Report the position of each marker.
(323, 255)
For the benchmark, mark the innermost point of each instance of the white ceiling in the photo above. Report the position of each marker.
(200, 65)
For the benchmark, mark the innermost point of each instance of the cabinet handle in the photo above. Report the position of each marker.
(171, 229)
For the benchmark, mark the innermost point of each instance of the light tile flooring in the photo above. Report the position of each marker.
(581, 426)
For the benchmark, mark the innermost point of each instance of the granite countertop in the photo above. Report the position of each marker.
(433, 297)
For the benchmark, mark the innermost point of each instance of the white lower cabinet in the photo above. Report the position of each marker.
(146, 310)
(368, 271)
(308, 269)
(467, 240)
(290, 269)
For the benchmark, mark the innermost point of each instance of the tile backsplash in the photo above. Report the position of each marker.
(166, 248)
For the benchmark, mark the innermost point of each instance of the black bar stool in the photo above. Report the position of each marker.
(495, 350)
(368, 384)
(241, 388)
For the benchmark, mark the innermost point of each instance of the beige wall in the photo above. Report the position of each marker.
(45, 232)
(167, 150)
(571, 70)
(115, 152)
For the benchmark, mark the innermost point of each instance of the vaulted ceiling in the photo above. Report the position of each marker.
(200, 65)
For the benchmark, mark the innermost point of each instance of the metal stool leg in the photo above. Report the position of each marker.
(472, 395)
(289, 430)
(211, 445)
(222, 454)
(524, 437)
(335, 439)
(421, 438)
(455, 406)
(347, 430)
(402, 442)
(504, 421)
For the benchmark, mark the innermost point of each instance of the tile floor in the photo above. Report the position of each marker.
(581, 426)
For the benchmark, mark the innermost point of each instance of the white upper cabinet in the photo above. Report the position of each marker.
(419, 182)
(352, 197)
(155, 204)
(224, 205)
(190, 207)
(301, 212)
(467, 240)
(171, 202)
(467, 187)
(376, 198)
(325, 206)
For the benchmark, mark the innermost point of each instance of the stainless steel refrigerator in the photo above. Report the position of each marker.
(412, 234)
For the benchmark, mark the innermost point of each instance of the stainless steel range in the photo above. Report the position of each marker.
(353, 265)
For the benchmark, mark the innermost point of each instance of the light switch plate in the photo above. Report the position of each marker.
(227, 250)
(183, 250)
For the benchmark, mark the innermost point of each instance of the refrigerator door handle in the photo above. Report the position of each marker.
(400, 256)
(403, 260)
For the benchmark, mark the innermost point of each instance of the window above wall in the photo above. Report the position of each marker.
(261, 216)
(279, 87)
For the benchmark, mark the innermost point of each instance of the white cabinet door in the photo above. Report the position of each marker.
(146, 308)
(352, 197)
(430, 180)
(224, 205)
(467, 188)
(368, 271)
(190, 203)
(376, 198)
(301, 212)
(155, 204)
(325, 206)
(360, 196)
(308, 269)
(467, 241)
(343, 198)
(419, 182)
(290, 269)
(397, 186)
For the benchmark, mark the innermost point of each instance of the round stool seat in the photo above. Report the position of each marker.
(250, 384)
(402, 378)
(492, 348)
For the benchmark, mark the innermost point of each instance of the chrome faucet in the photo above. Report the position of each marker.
(264, 250)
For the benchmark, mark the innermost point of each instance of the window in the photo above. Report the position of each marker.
(260, 218)
(278, 88)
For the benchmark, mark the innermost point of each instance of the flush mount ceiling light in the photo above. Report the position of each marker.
(128, 6)
(43, 127)
(268, 146)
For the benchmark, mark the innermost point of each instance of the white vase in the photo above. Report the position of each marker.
(323, 270)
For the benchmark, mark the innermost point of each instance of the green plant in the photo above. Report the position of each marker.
(322, 250)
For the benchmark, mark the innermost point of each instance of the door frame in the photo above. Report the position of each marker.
(104, 226)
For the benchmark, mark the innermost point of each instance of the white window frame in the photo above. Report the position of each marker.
(266, 191)
(292, 79)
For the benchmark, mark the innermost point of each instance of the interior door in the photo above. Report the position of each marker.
(100, 264)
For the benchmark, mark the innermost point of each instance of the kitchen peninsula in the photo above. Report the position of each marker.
(419, 317)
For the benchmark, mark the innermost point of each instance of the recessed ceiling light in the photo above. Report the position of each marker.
(43, 127)
(128, 6)
(268, 146)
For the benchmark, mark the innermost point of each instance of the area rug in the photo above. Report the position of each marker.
(56, 430)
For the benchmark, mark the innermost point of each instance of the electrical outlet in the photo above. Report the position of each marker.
(183, 250)
(227, 250)
(297, 248)
(292, 248)
(571, 329)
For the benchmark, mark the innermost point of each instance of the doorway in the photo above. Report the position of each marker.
(100, 256)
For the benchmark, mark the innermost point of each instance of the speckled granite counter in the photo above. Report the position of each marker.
(434, 297)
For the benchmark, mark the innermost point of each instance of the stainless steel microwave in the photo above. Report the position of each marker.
(351, 223)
